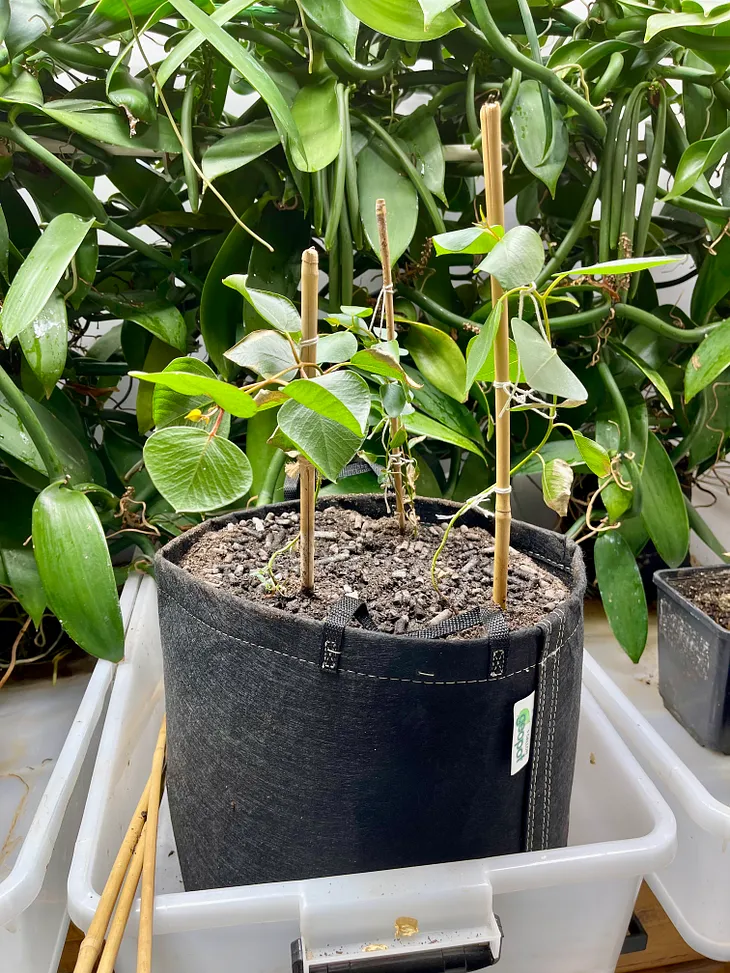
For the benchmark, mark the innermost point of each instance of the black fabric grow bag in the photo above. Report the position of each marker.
(279, 769)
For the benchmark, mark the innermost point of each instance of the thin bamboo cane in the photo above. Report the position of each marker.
(147, 904)
(93, 942)
(124, 907)
(491, 125)
(307, 473)
(381, 216)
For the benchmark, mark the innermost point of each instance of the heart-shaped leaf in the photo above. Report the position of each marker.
(267, 353)
(341, 396)
(276, 310)
(228, 397)
(328, 445)
(195, 471)
(517, 259)
(170, 408)
(472, 239)
(544, 371)
(337, 347)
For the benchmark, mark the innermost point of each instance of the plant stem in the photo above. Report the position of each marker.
(684, 336)
(491, 121)
(506, 49)
(33, 427)
(307, 473)
(395, 425)
(698, 427)
(273, 472)
(153, 253)
(338, 193)
(617, 400)
(583, 216)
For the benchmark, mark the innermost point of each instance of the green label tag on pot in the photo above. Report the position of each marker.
(522, 732)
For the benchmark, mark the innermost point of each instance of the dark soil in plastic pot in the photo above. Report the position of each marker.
(709, 591)
(367, 557)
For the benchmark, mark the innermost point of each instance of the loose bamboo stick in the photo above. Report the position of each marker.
(307, 473)
(147, 904)
(395, 425)
(491, 125)
(93, 942)
(124, 907)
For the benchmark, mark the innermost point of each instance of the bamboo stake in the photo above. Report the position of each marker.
(93, 941)
(124, 907)
(307, 473)
(395, 424)
(491, 126)
(147, 904)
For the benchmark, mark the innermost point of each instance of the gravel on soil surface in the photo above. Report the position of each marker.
(709, 591)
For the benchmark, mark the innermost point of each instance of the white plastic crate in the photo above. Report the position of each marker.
(48, 740)
(695, 889)
(562, 911)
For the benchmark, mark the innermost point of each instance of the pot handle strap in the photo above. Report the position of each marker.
(348, 607)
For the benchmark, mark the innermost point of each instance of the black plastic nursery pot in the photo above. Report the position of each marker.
(294, 753)
(694, 661)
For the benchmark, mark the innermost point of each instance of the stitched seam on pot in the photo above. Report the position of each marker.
(536, 758)
(369, 675)
(551, 740)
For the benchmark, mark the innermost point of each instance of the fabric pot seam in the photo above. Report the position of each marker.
(368, 675)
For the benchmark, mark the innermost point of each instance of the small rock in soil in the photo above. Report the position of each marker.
(392, 575)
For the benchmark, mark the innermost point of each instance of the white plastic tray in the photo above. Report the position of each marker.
(562, 911)
(48, 740)
(695, 889)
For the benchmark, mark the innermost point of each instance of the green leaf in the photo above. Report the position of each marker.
(478, 349)
(564, 449)
(22, 90)
(545, 162)
(83, 594)
(16, 556)
(276, 310)
(626, 265)
(44, 343)
(420, 136)
(419, 424)
(594, 455)
(658, 23)
(337, 347)
(433, 8)
(654, 377)
(110, 128)
(195, 471)
(74, 456)
(378, 176)
(150, 312)
(317, 117)
(517, 259)
(486, 373)
(134, 95)
(246, 64)
(544, 371)
(28, 20)
(713, 282)
(402, 19)
(709, 359)
(557, 483)
(170, 408)
(341, 396)
(446, 410)
(267, 353)
(327, 445)
(333, 17)
(383, 359)
(193, 39)
(228, 397)
(472, 239)
(438, 358)
(239, 148)
(696, 160)
(40, 272)
(394, 399)
(622, 592)
(663, 510)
